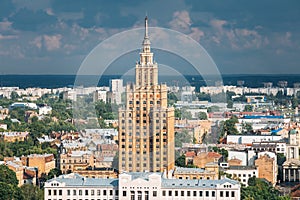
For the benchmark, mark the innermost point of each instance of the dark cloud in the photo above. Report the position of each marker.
(29, 20)
(6, 8)
(241, 36)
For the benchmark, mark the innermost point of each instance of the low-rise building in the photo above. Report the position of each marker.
(44, 162)
(14, 136)
(242, 173)
(195, 173)
(75, 159)
(139, 185)
(267, 168)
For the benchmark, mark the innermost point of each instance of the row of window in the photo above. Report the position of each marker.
(55, 192)
(198, 193)
(175, 193)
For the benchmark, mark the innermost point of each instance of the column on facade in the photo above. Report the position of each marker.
(283, 175)
(294, 175)
(289, 171)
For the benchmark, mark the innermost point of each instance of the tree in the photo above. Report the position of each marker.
(32, 192)
(14, 95)
(228, 127)
(229, 104)
(182, 137)
(8, 176)
(248, 108)
(172, 98)
(202, 116)
(55, 172)
(247, 127)
(6, 191)
(294, 102)
(115, 163)
(180, 161)
(260, 189)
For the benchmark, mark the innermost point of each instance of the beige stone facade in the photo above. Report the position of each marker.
(195, 173)
(44, 162)
(97, 173)
(78, 160)
(267, 168)
(146, 124)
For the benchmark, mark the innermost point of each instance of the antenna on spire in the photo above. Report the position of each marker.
(146, 27)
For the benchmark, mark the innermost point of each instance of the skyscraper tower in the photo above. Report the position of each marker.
(146, 123)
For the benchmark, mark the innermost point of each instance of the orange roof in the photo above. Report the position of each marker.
(190, 154)
(214, 155)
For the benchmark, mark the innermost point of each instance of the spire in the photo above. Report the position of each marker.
(146, 40)
(146, 28)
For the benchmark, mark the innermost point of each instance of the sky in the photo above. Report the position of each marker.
(242, 37)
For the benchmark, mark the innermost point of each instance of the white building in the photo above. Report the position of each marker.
(249, 139)
(247, 157)
(100, 95)
(45, 110)
(139, 185)
(242, 173)
(116, 89)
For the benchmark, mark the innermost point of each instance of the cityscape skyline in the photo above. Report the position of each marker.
(53, 37)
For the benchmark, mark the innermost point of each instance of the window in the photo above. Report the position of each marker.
(49, 192)
(98, 192)
(188, 193)
(227, 193)
(68, 192)
(74, 192)
(155, 193)
(110, 192)
(146, 195)
(176, 193)
(104, 192)
(207, 193)
(170, 192)
(132, 195)
(80, 192)
(232, 194)
(164, 193)
(221, 194)
(195, 193)
(54, 192)
(200, 193)
(86, 192)
(182, 193)
(213, 193)
(124, 194)
(93, 192)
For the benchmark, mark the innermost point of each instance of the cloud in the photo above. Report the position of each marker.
(196, 34)
(5, 25)
(7, 37)
(218, 24)
(181, 21)
(37, 42)
(52, 42)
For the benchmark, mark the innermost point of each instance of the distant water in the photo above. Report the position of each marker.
(56, 81)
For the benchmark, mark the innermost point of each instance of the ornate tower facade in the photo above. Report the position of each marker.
(146, 123)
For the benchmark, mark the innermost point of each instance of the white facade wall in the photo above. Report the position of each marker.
(248, 139)
(243, 174)
(241, 155)
(139, 186)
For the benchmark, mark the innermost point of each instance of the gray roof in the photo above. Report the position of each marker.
(242, 168)
(76, 180)
(188, 170)
(189, 183)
